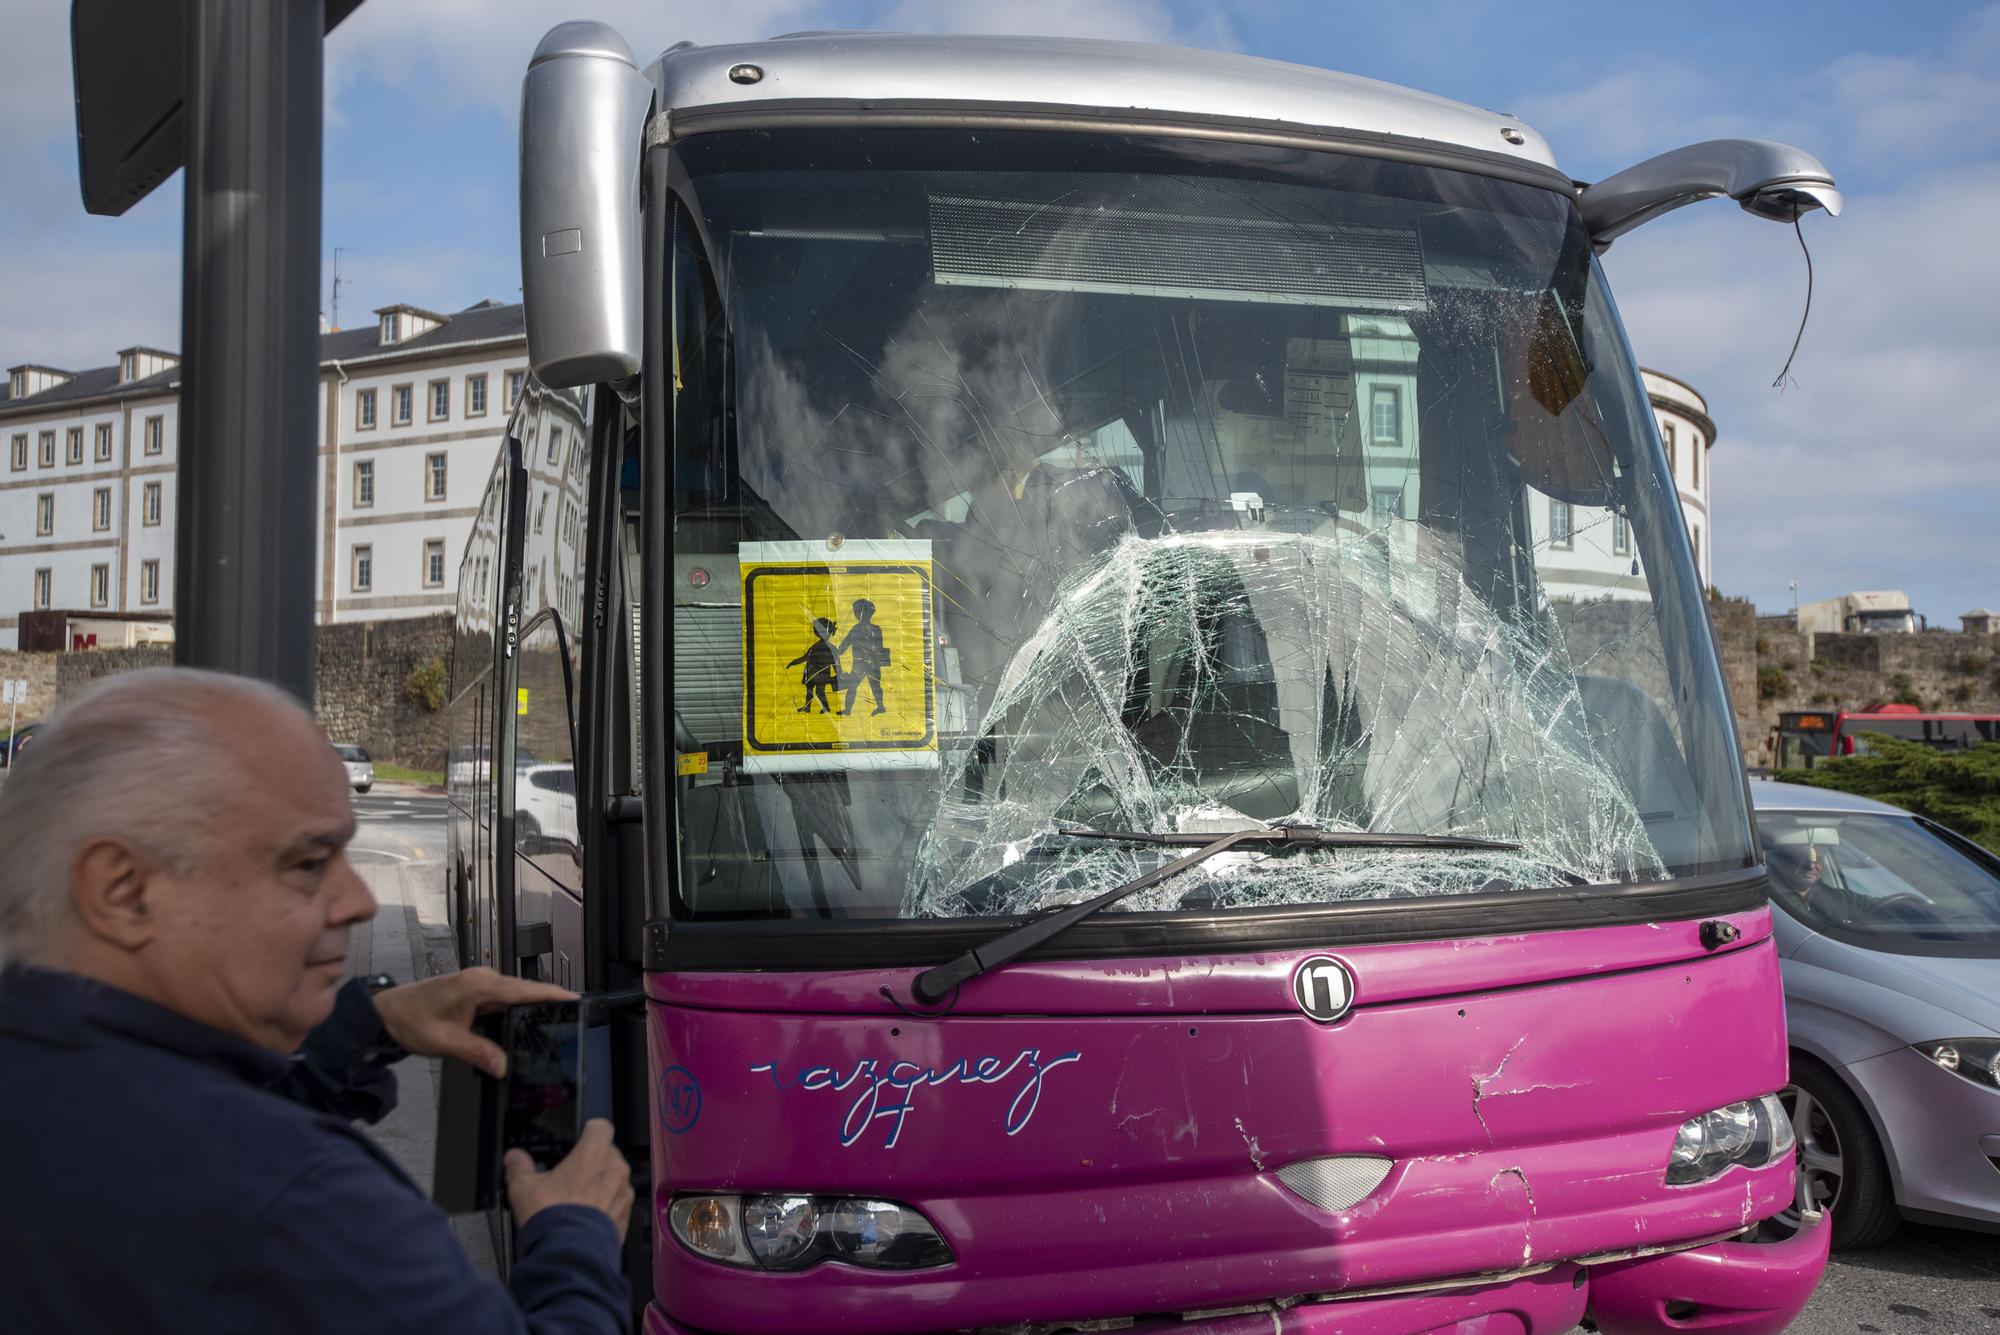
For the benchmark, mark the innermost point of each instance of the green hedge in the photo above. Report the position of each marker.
(1960, 789)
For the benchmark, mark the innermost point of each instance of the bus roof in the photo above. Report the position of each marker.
(884, 73)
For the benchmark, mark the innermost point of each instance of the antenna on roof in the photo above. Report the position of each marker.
(337, 281)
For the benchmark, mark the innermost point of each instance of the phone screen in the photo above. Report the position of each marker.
(544, 1080)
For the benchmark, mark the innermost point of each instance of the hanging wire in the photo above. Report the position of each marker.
(1785, 374)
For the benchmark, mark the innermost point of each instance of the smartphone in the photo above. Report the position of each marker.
(545, 1096)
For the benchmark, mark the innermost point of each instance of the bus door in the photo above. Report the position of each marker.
(546, 842)
(1804, 740)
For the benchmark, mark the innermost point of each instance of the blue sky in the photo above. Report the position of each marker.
(1878, 468)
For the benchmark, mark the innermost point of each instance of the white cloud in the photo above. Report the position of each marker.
(1879, 467)
(474, 52)
(1630, 114)
(76, 288)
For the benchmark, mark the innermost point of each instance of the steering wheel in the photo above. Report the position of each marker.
(1906, 907)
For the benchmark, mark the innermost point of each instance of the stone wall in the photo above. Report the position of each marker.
(359, 673)
(77, 670)
(39, 671)
(1773, 669)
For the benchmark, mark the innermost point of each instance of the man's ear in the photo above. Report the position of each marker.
(108, 885)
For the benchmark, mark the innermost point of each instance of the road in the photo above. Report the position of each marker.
(1933, 1281)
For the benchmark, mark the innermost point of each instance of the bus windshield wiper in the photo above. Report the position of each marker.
(933, 985)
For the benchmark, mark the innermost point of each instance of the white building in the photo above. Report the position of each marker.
(411, 411)
(1587, 551)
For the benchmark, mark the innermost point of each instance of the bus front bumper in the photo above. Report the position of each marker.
(1735, 1287)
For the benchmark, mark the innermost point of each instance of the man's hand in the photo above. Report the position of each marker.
(594, 1174)
(434, 1018)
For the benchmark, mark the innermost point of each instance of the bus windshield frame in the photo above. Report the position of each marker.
(786, 384)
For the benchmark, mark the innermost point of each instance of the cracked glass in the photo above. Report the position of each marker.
(1247, 485)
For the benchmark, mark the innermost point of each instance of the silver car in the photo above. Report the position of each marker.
(1888, 926)
(360, 767)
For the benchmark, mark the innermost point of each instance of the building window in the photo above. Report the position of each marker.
(361, 570)
(1621, 536)
(1697, 547)
(46, 448)
(514, 382)
(364, 483)
(100, 586)
(73, 445)
(434, 563)
(399, 405)
(1694, 460)
(149, 581)
(1559, 531)
(542, 512)
(555, 443)
(364, 410)
(104, 442)
(440, 400)
(45, 514)
(100, 509)
(392, 328)
(1386, 503)
(155, 434)
(149, 504)
(434, 477)
(475, 396)
(44, 586)
(1385, 418)
(1667, 435)
(19, 457)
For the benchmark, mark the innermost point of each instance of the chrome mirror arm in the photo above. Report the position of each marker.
(1771, 180)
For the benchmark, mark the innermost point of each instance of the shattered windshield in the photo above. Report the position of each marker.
(1033, 481)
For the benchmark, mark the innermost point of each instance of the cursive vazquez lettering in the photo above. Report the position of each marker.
(887, 1091)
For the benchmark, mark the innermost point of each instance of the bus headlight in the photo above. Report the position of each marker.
(1977, 1059)
(1749, 1135)
(792, 1231)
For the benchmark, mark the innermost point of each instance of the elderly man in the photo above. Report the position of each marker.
(185, 1054)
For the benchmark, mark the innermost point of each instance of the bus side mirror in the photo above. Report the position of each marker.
(1774, 181)
(583, 111)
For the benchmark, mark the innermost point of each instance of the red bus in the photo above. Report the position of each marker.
(1805, 738)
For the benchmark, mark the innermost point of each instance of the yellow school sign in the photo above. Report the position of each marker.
(837, 656)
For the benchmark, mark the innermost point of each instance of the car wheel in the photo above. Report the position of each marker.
(1840, 1158)
(363, 787)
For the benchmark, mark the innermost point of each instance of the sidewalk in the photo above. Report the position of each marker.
(410, 939)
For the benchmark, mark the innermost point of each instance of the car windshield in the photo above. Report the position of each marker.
(1887, 878)
(1029, 480)
(352, 754)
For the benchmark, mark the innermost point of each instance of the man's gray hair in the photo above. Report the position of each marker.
(138, 758)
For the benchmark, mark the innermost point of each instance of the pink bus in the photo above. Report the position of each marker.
(1104, 633)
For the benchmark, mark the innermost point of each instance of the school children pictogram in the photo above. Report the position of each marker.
(838, 658)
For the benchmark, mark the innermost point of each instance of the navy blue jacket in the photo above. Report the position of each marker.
(158, 1175)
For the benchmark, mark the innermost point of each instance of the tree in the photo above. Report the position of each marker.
(425, 685)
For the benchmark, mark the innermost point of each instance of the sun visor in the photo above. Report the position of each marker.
(1062, 248)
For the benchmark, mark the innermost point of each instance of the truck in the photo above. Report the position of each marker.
(66, 631)
(1884, 613)
(1026, 885)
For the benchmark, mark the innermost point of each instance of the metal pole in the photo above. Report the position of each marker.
(243, 553)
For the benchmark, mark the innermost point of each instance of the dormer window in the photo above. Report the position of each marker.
(128, 366)
(391, 327)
